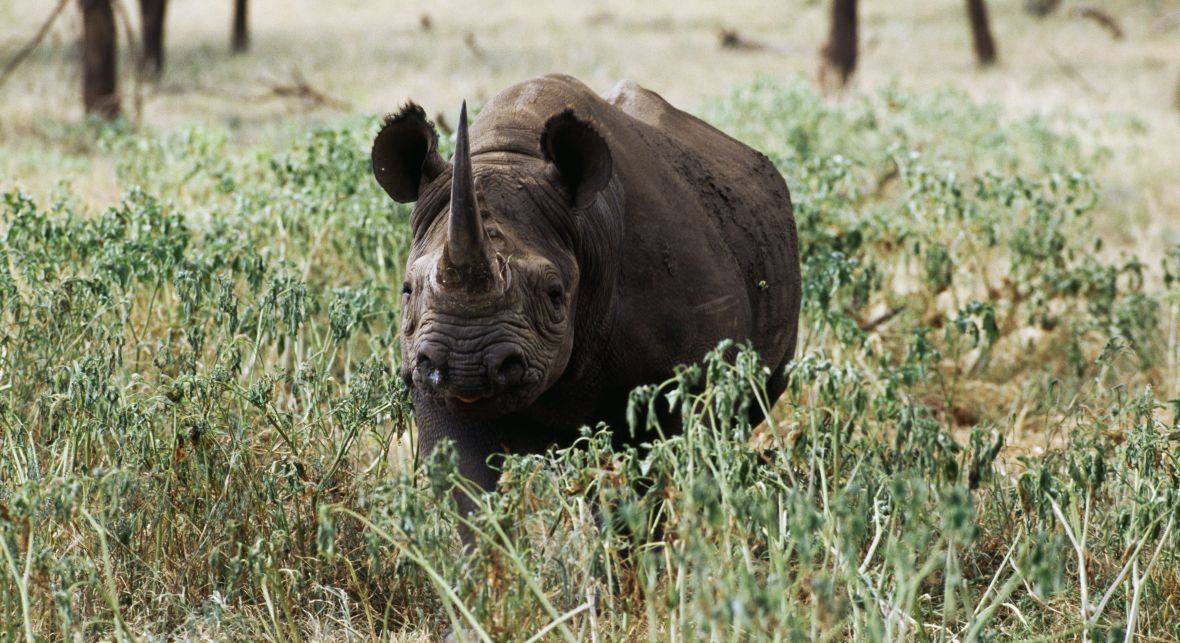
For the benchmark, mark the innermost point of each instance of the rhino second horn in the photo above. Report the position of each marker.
(466, 239)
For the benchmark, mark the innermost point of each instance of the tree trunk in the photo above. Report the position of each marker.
(839, 54)
(241, 34)
(100, 95)
(151, 63)
(1176, 99)
(981, 31)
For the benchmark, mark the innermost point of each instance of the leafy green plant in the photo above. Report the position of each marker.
(202, 434)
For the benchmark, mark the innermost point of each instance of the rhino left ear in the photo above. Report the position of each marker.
(578, 155)
(405, 154)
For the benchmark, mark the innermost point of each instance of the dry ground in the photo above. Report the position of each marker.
(376, 54)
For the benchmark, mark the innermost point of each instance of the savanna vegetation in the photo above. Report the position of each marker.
(203, 435)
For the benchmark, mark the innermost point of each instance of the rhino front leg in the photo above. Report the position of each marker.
(474, 440)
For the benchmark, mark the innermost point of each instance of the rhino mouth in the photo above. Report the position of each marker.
(490, 404)
(472, 390)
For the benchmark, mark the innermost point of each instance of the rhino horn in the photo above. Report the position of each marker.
(467, 245)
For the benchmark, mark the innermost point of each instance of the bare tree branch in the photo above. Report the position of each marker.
(733, 39)
(28, 49)
(1072, 72)
(1103, 18)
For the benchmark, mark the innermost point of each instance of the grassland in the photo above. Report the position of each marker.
(202, 435)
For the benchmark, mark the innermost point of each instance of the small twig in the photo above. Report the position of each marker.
(1114, 585)
(1138, 580)
(440, 121)
(884, 181)
(1041, 8)
(1166, 23)
(28, 49)
(1079, 546)
(469, 40)
(872, 324)
(733, 39)
(991, 586)
(1104, 19)
(297, 88)
(306, 92)
(1072, 72)
(559, 621)
(877, 532)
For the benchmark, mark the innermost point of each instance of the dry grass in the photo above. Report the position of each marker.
(376, 54)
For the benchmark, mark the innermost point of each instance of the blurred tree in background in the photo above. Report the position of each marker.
(151, 62)
(838, 55)
(100, 93)
(981, 32)
(240, 40)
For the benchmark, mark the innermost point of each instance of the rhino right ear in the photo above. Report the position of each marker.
(579, 156)
(405, 154)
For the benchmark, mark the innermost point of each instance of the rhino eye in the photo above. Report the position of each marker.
(406, 289)
(556, 296)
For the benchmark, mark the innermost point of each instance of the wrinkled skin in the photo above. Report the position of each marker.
(578, 246)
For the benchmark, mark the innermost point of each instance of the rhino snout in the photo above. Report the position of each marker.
(430, 363)
(506, 366)
(468, 378)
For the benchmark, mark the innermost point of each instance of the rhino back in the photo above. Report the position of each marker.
(732, 196)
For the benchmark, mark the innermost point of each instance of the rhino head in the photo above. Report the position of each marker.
(492, 282)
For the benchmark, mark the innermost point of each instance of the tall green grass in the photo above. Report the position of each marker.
(202, 433)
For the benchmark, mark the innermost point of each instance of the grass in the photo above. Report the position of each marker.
(204, 435)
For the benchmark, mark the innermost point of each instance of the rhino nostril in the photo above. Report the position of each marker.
(511, 369)
(431, 363)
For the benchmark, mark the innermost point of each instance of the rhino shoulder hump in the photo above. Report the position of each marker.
(621, 91)
(638, 102)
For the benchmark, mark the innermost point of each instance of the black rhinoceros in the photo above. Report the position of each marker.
(578, 246)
